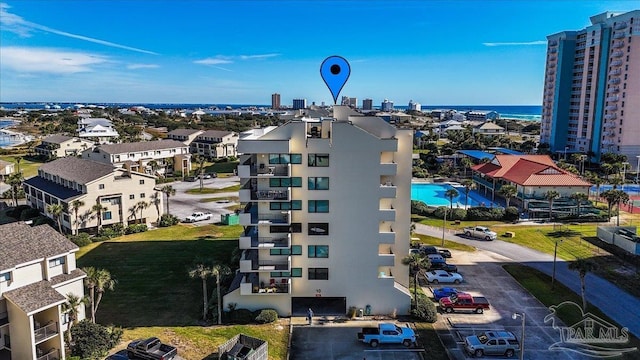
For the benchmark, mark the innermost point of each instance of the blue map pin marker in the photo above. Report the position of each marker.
(335, 71)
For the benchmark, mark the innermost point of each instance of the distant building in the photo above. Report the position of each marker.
(488, 128)
(481, 115)
(414, 106)
(98, 130)
(55, 146)
(299, 104)
(367, 104)
(6, 169)
(591, 98)
(350, 102)
(184, 135)
(215, 144)
(275, 101)
(386, 106)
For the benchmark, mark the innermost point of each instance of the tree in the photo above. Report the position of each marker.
(98, 209)
(141, 205)
(416, 262)
(597, 181)
(468, 186)
(75, 207)
(607, 168)
(202, 272)
(97, 281)
(56, 211)
(93, 341)
(156, 200)
(15, 182)
(450, 194)
(199, 159)
(71, 307)
(466, 163)
(218, 271)
(133, 211)
(579, 198)
(168, 191)
(507, 192)
(615, 197)
(550, 196)
(153, 165)
(18, 161)
(583, 266)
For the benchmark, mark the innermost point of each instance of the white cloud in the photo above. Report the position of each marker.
(222, 59)
(539, 42)
(43, 60)
(16, 24)
(214, 61)
(142, 66)
(260, 56)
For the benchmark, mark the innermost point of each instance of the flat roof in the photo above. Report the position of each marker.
(477, 154)
(506, 151)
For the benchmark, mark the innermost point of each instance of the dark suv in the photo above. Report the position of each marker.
(444, 266)
(427, 250)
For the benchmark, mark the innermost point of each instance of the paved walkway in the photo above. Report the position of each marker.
(611, 300)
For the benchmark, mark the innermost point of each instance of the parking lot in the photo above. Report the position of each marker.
(484, 276)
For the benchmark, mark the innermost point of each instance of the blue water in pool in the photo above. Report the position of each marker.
(433, 195)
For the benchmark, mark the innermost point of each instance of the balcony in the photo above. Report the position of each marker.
(620, 25)
(387, 237)
(52, 354)
(551, 65)
(618, 44)
(609, 133)
(615, 72)
(553, 50)
(614, 81)
(251, 262)
(610, 124)
(245, 171)
(250, 285)
(553, 42)
(616, 63)
(613, 90)
(387, 215)
(613, 98)
(608, 142)
(45, 332)
(619, 35)
(552, 58)
(617, 54)
(551, 72)
(389, 168)
(387, 190)
(550, 86)
(611, 108)
(251, 240)
(610, 117)
(386, 259)
(270, 218)
(247, 195)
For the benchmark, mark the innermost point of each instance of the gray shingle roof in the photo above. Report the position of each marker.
(56, 139)
(35, 296)
(76, 169)
(183, 132)
(141, 146)
(21, 243)
(74, 274)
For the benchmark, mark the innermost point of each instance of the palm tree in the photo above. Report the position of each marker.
(202, 272)
(98, 281)
(71, 307)
(56, 211)
(507, 192)
(199, 159)
(98, 209)
(415, 263)
(75, 206)
(141, 205)
(616, 180)
(583, 266)
(615, 197)
(218, 271)
(607, 168)
(597, 181)
(468, 186)
(18, 160)
(153, 165)
(579, 198)
(550, 196)
(15, 182)
(168, 191)
(450, 194)
(156, 200)
(466, 163)
(133, 211)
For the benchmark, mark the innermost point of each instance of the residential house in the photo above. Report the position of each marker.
(481, 115)
(488, 128)
(98, 130)
(215, 144)
(37, 272)
(118, 190)
(184, 135)
(158, 157)
(6, 169)
(316, 193)
(55, 146)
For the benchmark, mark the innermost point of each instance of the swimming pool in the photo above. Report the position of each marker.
(433, 195)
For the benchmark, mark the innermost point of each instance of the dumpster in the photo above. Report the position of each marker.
(230, 219)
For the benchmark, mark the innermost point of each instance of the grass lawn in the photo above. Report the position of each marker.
(428, 339)
(29, 168)
(539, 285)
(222, 167)
(452, 245)
(452, 225)
(230, 198)
(206, 190)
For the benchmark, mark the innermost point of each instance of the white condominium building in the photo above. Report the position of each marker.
(326, 216)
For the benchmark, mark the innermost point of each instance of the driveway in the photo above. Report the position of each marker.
(182, 204)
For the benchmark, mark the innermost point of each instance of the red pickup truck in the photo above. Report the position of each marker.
(465, 302)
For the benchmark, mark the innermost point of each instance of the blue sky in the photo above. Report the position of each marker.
(240, 52)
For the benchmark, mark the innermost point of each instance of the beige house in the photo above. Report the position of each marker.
(56, 146)
(184, 135)
(317, 194)
(150, 157)
(37, 272)
(488, 128)
(215, 144)
(118, 190)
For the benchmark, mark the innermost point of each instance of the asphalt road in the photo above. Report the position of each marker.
(613, 301)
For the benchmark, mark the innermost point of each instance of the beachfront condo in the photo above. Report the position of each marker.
(326, 212)
(591, 99)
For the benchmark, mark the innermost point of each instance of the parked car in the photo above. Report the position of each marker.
(480, 232)
(387, 333)
(415, 251)
(436, 258)
(464, 302)
(492, 343)
(151, 349)
(444, 266)
(441, 276)
(206, 176)
(190, 178)
(428, 249)
(443, 292)
(198, 216)
(445, 253)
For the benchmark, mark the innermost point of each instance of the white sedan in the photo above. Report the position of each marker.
(441, 276)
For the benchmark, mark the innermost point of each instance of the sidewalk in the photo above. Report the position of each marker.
(616, 303)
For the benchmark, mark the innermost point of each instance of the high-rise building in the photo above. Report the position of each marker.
(367, 104)
(591, 102)
(299, 104)
(309, 210)
(349, 101)
(386, 105)
(275, 101)
(414, 106)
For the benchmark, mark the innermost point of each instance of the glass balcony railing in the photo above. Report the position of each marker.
(45, 332)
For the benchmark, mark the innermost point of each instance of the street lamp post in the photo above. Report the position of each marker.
(565, 153)
(624, 174)
(523, 316)
(555, 255)
(444, 225)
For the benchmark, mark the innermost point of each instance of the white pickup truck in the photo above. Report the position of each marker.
(198, 216)
(480, 232)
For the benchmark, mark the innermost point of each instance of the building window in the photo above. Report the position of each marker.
(141, 195)
(318, 229)
(141, 182)
(296, 249)
(5, 277)
(296, 158)
(318, 183)
(296, 272)
(293, 205)
(318, 274)
(284, 251)
(280, 274)
(318, 206)
(318, 251)
(132, 196)
(56, 262)
(285, 182)
(318, 160)
(106, 215)
(101, 186)
(279, 159)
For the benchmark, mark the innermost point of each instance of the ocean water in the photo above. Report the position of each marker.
(5, 140)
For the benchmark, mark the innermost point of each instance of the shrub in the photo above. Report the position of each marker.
(425, 310)
(41, 219)
(455, 214)
(28, 214)
(135, 228)
(17, 211)
(81, 239)
(109, 232)
(419, 208)
(93, 341)
(168, 220)
(267, 316)
(240, 316)
(511, 213)
(485, 213)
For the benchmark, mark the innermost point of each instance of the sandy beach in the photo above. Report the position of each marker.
(15, 138)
